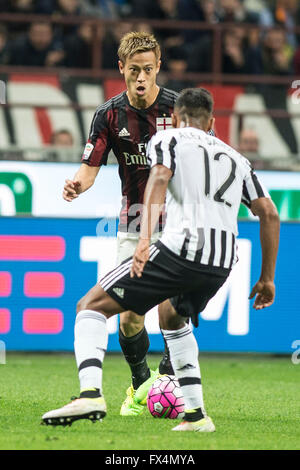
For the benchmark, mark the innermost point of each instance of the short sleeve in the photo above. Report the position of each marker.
(161, 150)
(253, 188)
(98, 145)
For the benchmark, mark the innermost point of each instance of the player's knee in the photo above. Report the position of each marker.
(130, 330)
(131, 324)
(131, 318)
(171, 323)
(95, 303)
(81, 305)
(169, 318)
(88, 303)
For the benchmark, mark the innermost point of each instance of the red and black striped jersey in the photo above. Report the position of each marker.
(125, 130)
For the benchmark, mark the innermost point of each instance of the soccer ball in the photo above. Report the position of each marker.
(165, 399)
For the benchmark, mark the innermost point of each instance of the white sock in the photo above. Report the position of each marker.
(184, 358)
(90, 345)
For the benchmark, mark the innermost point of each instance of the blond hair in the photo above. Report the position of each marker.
(135, 42)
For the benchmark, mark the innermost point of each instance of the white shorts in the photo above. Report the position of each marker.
(127, 243)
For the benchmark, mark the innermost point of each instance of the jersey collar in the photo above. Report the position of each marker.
(142, 109)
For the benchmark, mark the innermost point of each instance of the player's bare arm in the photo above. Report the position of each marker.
(154, 198)
(264, 289)
(83, 180)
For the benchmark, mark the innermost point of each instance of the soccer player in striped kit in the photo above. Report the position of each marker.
(203, 180)
(125, 124)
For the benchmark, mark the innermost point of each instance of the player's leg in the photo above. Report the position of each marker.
(134, 342)
(184, 349)
(132, 325)
(91, 337)
(165, 366)
(184, 357)
(90, 344)
(133, 338)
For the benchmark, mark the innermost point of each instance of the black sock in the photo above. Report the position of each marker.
(165, 365)
(195, 416)
(140, 373)
(135, 349)
(94, 393)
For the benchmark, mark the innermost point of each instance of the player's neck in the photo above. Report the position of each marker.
(143, 103)
(191, 123)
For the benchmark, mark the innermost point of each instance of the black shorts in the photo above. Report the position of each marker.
(188, 285)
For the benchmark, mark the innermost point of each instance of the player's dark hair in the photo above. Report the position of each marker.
(195, 103)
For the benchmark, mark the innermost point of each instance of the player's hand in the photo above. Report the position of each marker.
(140, 258)
(265, 294)
(71, 191)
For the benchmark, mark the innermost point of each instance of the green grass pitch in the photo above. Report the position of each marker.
(253, 400)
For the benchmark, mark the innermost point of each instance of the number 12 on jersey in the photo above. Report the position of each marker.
(218, 196)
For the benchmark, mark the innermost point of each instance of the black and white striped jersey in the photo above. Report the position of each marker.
(210, 180)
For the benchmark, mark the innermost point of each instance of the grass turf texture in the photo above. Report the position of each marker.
(253, 401)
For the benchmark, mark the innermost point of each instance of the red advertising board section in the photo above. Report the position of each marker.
(36, 284)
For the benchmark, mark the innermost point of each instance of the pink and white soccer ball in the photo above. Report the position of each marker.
(165, 398)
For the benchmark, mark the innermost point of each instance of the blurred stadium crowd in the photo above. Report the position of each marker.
(274, 51)
(260, 39)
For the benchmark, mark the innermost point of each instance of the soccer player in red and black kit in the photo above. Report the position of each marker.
(125, 124)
